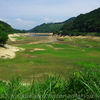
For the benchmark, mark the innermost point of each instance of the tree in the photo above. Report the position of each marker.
(3, 37)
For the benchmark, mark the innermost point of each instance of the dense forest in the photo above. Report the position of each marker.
(49, 27)
(83, 24)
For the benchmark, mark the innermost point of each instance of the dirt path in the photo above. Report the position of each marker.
(51, 39)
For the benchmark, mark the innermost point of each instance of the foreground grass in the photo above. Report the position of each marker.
(82, 85)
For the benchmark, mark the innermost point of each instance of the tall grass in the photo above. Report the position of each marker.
(82, 85)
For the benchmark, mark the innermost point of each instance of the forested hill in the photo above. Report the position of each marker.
(49, 27)
(4, 27)
(46, 28)
(83, 24)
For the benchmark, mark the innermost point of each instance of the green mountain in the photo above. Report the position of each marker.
(49, 27)
(89, 22)
(4, 27)
(83, 24)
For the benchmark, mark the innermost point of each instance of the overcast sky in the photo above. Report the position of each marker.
(26, 14)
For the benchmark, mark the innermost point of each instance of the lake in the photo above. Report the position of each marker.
(40, 35)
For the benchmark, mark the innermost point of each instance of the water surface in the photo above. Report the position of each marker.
(39, 34)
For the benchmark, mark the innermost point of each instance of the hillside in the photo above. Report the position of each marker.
(83, 24)
(49, 27)
(89, 22)
(4, 27)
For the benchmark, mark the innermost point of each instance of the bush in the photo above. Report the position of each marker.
(3, 37)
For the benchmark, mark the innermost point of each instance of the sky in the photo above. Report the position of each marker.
(27, 14)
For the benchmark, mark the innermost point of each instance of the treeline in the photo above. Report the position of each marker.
(49, 27)
(83, 24)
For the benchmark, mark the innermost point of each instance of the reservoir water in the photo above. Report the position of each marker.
(40, 35)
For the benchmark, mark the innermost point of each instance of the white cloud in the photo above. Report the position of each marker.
(3, 19)
(19, 23)
(23, 24)
(47, 20)
(18, 19)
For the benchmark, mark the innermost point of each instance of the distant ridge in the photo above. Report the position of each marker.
(49, 27)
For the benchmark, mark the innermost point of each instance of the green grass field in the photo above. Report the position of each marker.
(62, 57)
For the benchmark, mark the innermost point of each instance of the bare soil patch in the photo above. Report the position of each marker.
(81, 37)
(9, 51)
(11, 36)
(53, 47)
(36, 49)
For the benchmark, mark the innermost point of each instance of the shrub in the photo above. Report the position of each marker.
(3, 37)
